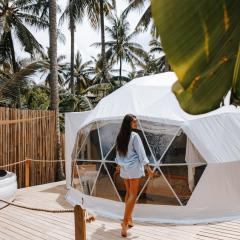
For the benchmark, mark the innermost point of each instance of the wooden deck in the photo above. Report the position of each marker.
(22, 224)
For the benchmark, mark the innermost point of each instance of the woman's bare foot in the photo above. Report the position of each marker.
(130, 223)
(124, 229)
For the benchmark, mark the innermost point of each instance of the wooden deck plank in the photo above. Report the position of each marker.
(40, 225)
(21, 224)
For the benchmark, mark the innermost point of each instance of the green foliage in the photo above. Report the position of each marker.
(146, 18)
(44, 69)
(121, 45)
(201, 40)
(36, 98)
(72, 103)
(90, 8)
(82, 74)
(91, 82)
(13, 83)
(16, 17)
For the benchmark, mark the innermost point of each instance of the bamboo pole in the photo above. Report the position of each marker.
(80, 223)
(27, 172)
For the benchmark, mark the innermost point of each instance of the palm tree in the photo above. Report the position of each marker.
(98, 70)
(62, 69)
(146, 18)
(148, 66)
(82, 73)
(16, 17)
(11, 82)
(74, 103)
(74, 13)
(121, 46)
(105, 7)
(54, 102)
(95, 10)
(161, 61)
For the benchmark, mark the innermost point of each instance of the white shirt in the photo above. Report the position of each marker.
(132, 165)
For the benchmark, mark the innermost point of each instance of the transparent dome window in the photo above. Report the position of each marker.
(94, 168)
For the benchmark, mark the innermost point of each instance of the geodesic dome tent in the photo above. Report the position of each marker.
(196, 159)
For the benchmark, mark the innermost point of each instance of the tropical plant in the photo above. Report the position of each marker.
(12, 82)
(95, 10)
(148, 66)
(62, 68)
(74, 13)
(206, 55)
(74, 103)
(133, 74)
(121, 46)
(146, 18)
(100, 90)
(98, 70)
(36, 97)
(82, 73)
(161, 60)
(54, 100)
(16, 17)
(105, 8)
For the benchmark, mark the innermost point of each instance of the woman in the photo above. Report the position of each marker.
(132, 162)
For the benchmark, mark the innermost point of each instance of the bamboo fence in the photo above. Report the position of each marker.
(28, 134)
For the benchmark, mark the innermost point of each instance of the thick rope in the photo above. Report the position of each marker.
(4, 207)
(36, 209)
(88, 217)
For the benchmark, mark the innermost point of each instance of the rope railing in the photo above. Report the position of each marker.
(12, 164)
(42, 160)
(81, 217)
(32, 160)
(14, 121)
(36, 209)
(27, 163)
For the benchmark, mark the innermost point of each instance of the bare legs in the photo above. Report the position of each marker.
(132, 186)
(127, 187)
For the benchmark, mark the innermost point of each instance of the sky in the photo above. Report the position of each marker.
(85, 35)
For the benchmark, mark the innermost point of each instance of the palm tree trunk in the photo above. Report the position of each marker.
(54, 81)
(72, 29)
(120, 70)
(15, 69)
(167, 66)
(78, 86)
(104, 63)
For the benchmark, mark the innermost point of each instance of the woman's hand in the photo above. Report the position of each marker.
(118, 167)
(149, 171)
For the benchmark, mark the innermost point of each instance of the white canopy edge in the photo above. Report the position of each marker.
(72, 122)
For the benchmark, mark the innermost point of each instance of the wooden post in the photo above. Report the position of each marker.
(27, 172)
(80, 223)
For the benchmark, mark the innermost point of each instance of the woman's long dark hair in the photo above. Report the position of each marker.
(124, 134)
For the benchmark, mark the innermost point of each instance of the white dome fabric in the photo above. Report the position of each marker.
(215, 136)
(151, 98)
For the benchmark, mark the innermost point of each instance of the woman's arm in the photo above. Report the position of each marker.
(149, 170)
(138, 145)
(139, 148)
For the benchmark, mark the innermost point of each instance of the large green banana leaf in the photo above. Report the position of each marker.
(201, 41)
